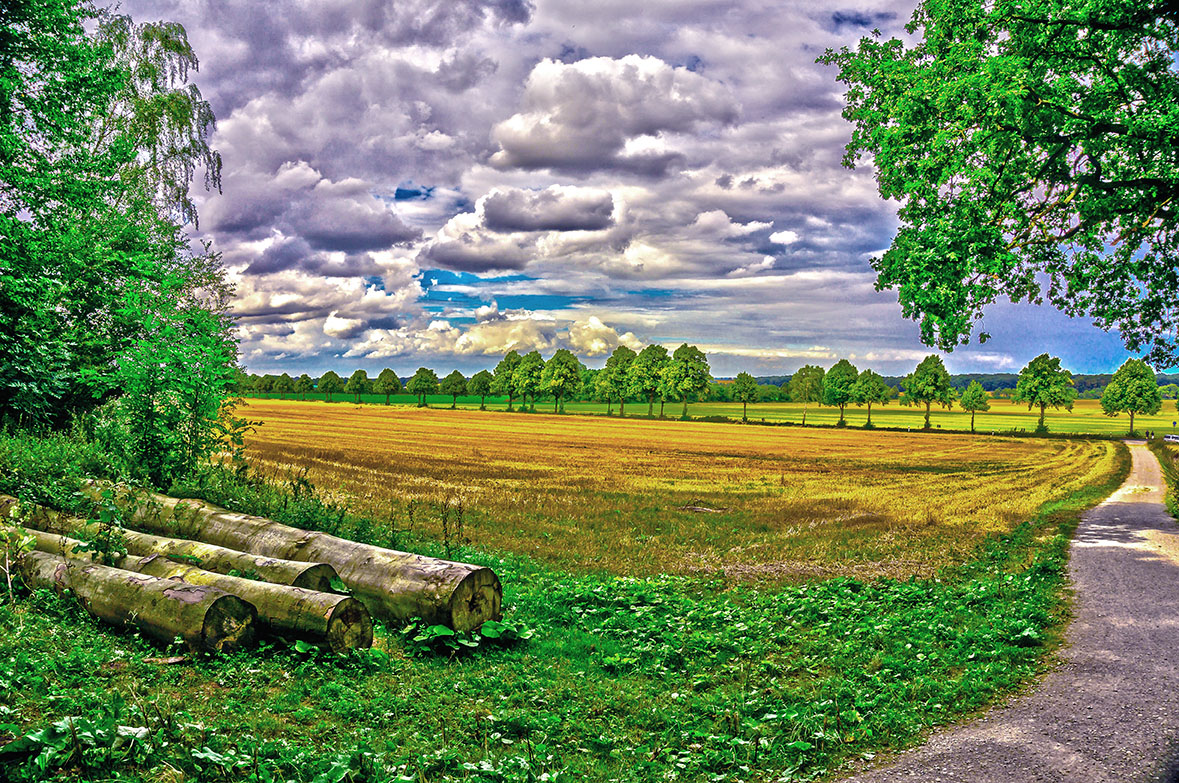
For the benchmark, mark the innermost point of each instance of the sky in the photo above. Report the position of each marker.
(434, 183)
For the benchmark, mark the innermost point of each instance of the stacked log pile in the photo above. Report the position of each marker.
(186, 577)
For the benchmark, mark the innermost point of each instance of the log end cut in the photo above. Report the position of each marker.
(477, 599)
(230, 623)
(349, 626)
(317, 577)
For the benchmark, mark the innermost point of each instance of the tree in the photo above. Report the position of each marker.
(561, 377)
(357, 384)
(617, 375)
(303, 385)
(745, 391)
(503, 376)
(387, 383)
(604, 387)
(645, 375)
(526, 378)
(1028, 144)
(929, 383)
(480, 384)
(806, 386)
(423, 382)
(870, 388)
(1132, 390)
(328, 384)
(687, 375)
(974, 399)
(284, 384)
(454, 384)
(839, 386)
(1042, 382)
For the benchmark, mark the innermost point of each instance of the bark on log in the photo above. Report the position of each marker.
(393, 585)
(340, 622)
(205, 617)
(311, 576)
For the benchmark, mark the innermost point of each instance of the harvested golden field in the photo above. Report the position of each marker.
(641, 497)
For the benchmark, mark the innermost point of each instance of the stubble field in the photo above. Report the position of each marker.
(638, 497)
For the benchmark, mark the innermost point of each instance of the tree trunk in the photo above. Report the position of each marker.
(310, 576)
(744, 411)
(162, 609)
(483, 402)
(972, 422)
(841, 421)
(869, 424)
(651, 406)
(1131, 422)
(511, 398)
(804, 407)
(393, 585)
(684, 415)
(662, 402)
(556, 403)
(1043, 411)
(927, 406)
(609, 406)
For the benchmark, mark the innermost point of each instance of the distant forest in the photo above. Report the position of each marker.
(996, 381)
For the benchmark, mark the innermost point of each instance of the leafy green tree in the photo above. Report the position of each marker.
(974, 399)
(304, 385)
(806, 386)
(687, 375)
(604, 387)
(1042, 382)
(839, 386)
(617, 372)
(929, 383)
(503, 376)
(526, 378)
(1132, 390)
(387, 383)
(644, 377)
(328, 384)
(480, 384)
(745, 391)
(284, 384)
(455, 385)
(1027, 142)
(423, 382)
(561, 377)
(768, 392)
(870, 388)
(357, 384)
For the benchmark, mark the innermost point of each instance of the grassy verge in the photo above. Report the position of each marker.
(1168, 457)
(627, 679)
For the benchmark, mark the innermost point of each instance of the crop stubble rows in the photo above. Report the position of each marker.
(589, 493)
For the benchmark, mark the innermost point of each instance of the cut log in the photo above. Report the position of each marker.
(338, 621)
(311, 576)
(394, 585)
(162, 609)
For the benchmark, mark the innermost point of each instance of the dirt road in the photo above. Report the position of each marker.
(1110, 711)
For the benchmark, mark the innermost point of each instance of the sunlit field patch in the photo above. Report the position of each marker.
(638, 497)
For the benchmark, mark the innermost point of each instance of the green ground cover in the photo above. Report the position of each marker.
(626, 679)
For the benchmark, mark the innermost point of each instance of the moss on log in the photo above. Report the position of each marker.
(311, 576)
(162, 609)
(393, 585)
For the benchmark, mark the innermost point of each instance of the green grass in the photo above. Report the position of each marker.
(627, 679)
(1168, 456)
(1086, 418)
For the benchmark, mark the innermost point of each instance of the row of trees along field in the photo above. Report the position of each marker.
(654, 374)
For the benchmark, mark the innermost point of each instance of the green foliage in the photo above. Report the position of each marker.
(304, 386)
(974, 399)
(454, 385)
(1133, 390)
(1043, 383)
(420, 638)
(107, 545)
(328, 384)
(687, 375)
(49, 469)
(806, 386)
(745, 391)
(526, 378)
(839, 386)
(870, 388)
(615, 376)
(1026, 142)
(929, 383)
(504, 374)
(423, 382)
(561, 376)
(358, 384)
(387, 383)
(644, 379)
(481, 384)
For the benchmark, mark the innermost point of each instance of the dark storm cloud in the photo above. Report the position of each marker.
(548, 210)
(298, 255)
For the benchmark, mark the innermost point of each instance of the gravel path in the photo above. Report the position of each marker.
(1110, 711)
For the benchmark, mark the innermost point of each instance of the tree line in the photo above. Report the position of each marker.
(653, 375)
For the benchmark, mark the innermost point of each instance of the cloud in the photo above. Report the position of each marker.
(606, 113)
(555, 208)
